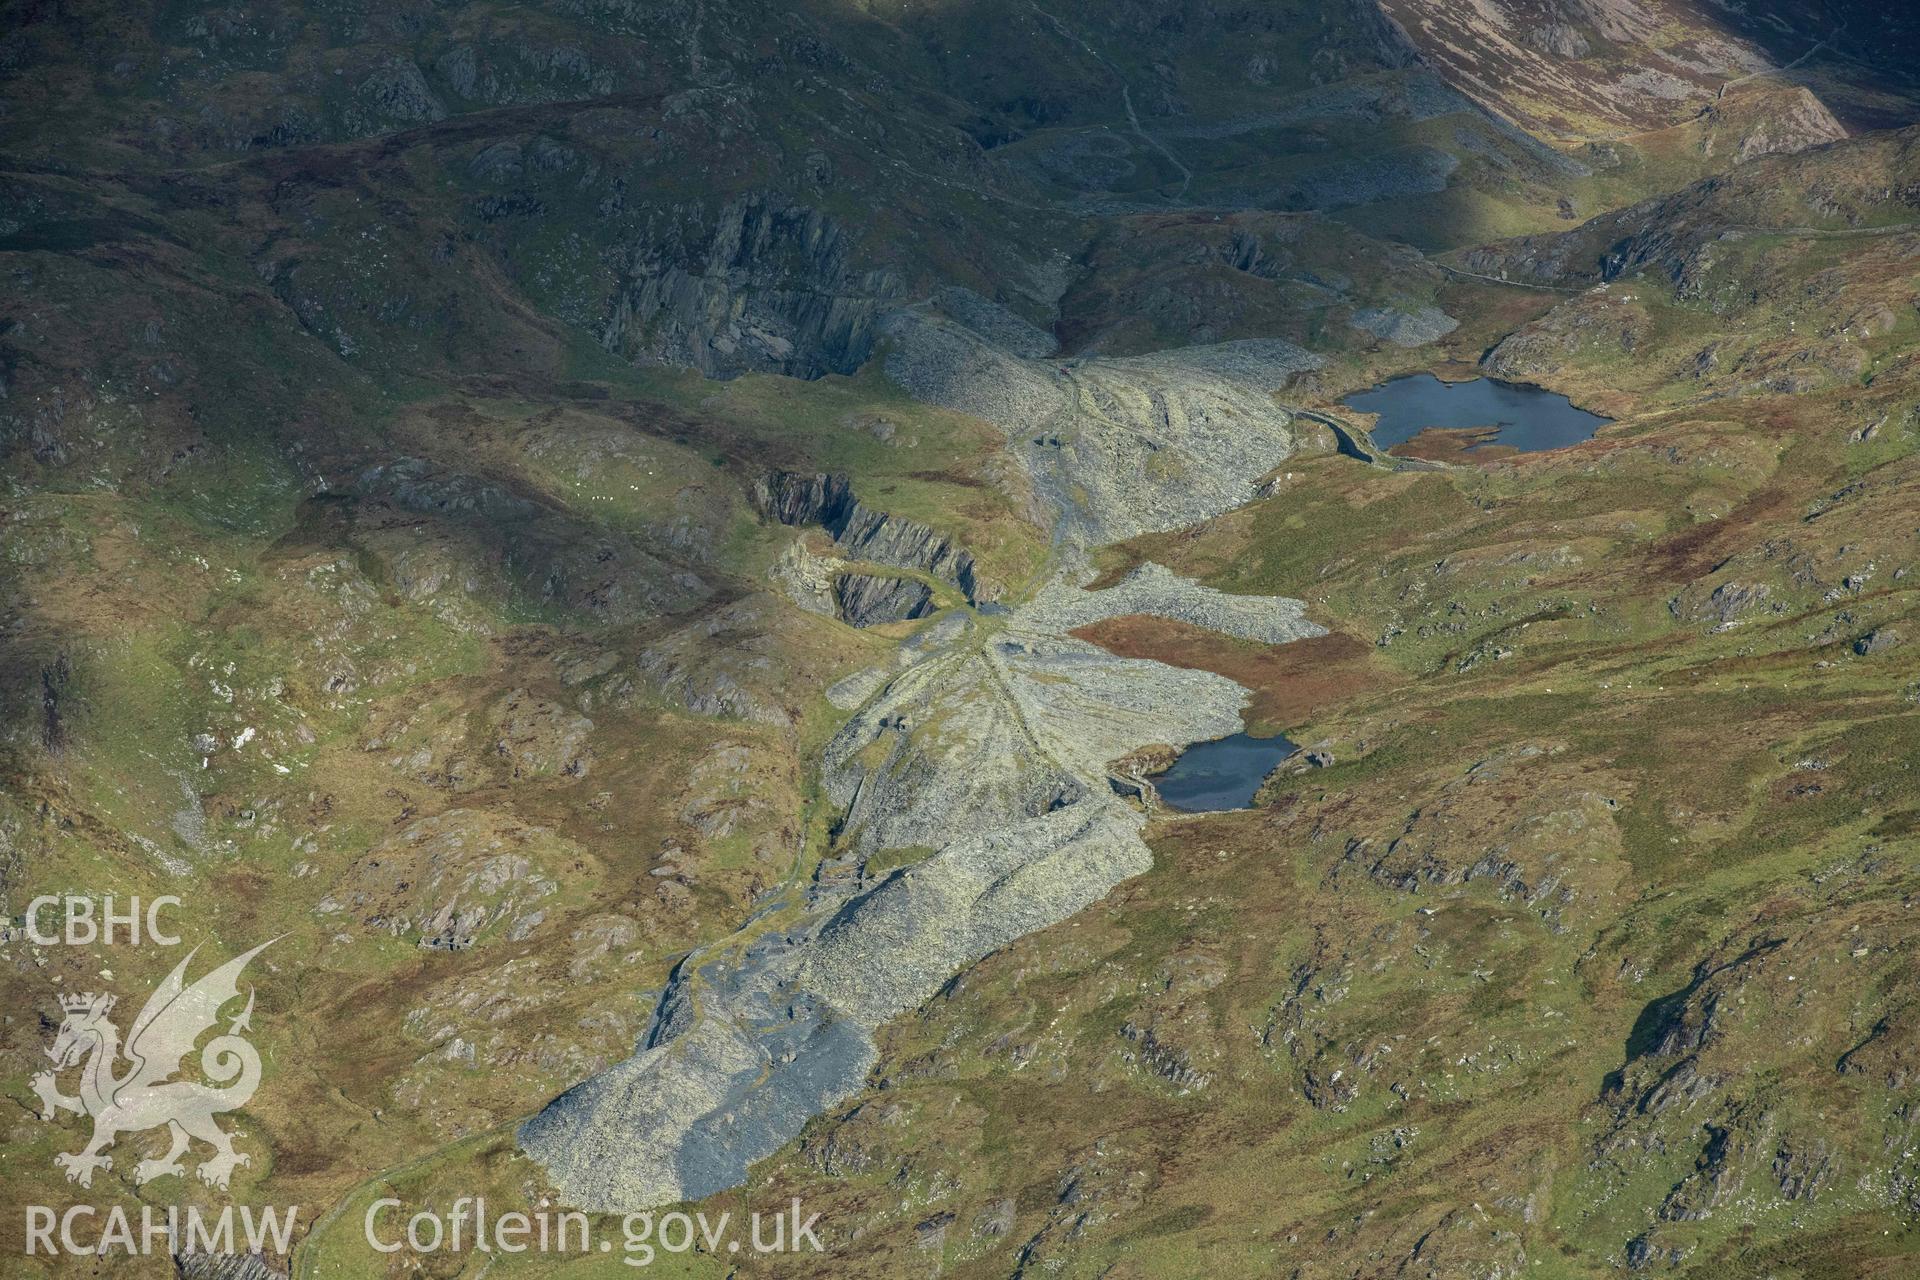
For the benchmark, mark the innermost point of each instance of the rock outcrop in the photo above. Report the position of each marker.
(742, 678)
(867, 600)
(860, 532)
(197, 1265)
(1854, 187)
(808, 579)
(444, 881)
(480, 538)
(833, 588)
(766, 287)
(1547, 67)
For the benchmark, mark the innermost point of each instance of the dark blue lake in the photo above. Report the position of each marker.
(1528, 418)
(1223, 774)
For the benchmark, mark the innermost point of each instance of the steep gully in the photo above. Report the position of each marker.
(989, 739)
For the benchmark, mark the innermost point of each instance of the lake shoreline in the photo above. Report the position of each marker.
(1502, 417)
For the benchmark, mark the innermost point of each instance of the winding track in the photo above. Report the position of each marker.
(1126, 99)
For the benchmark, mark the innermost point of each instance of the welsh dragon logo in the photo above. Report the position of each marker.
(142, 1095)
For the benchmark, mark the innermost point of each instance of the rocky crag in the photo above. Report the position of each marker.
(867, 599)
(862, 533)
(766, 286)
